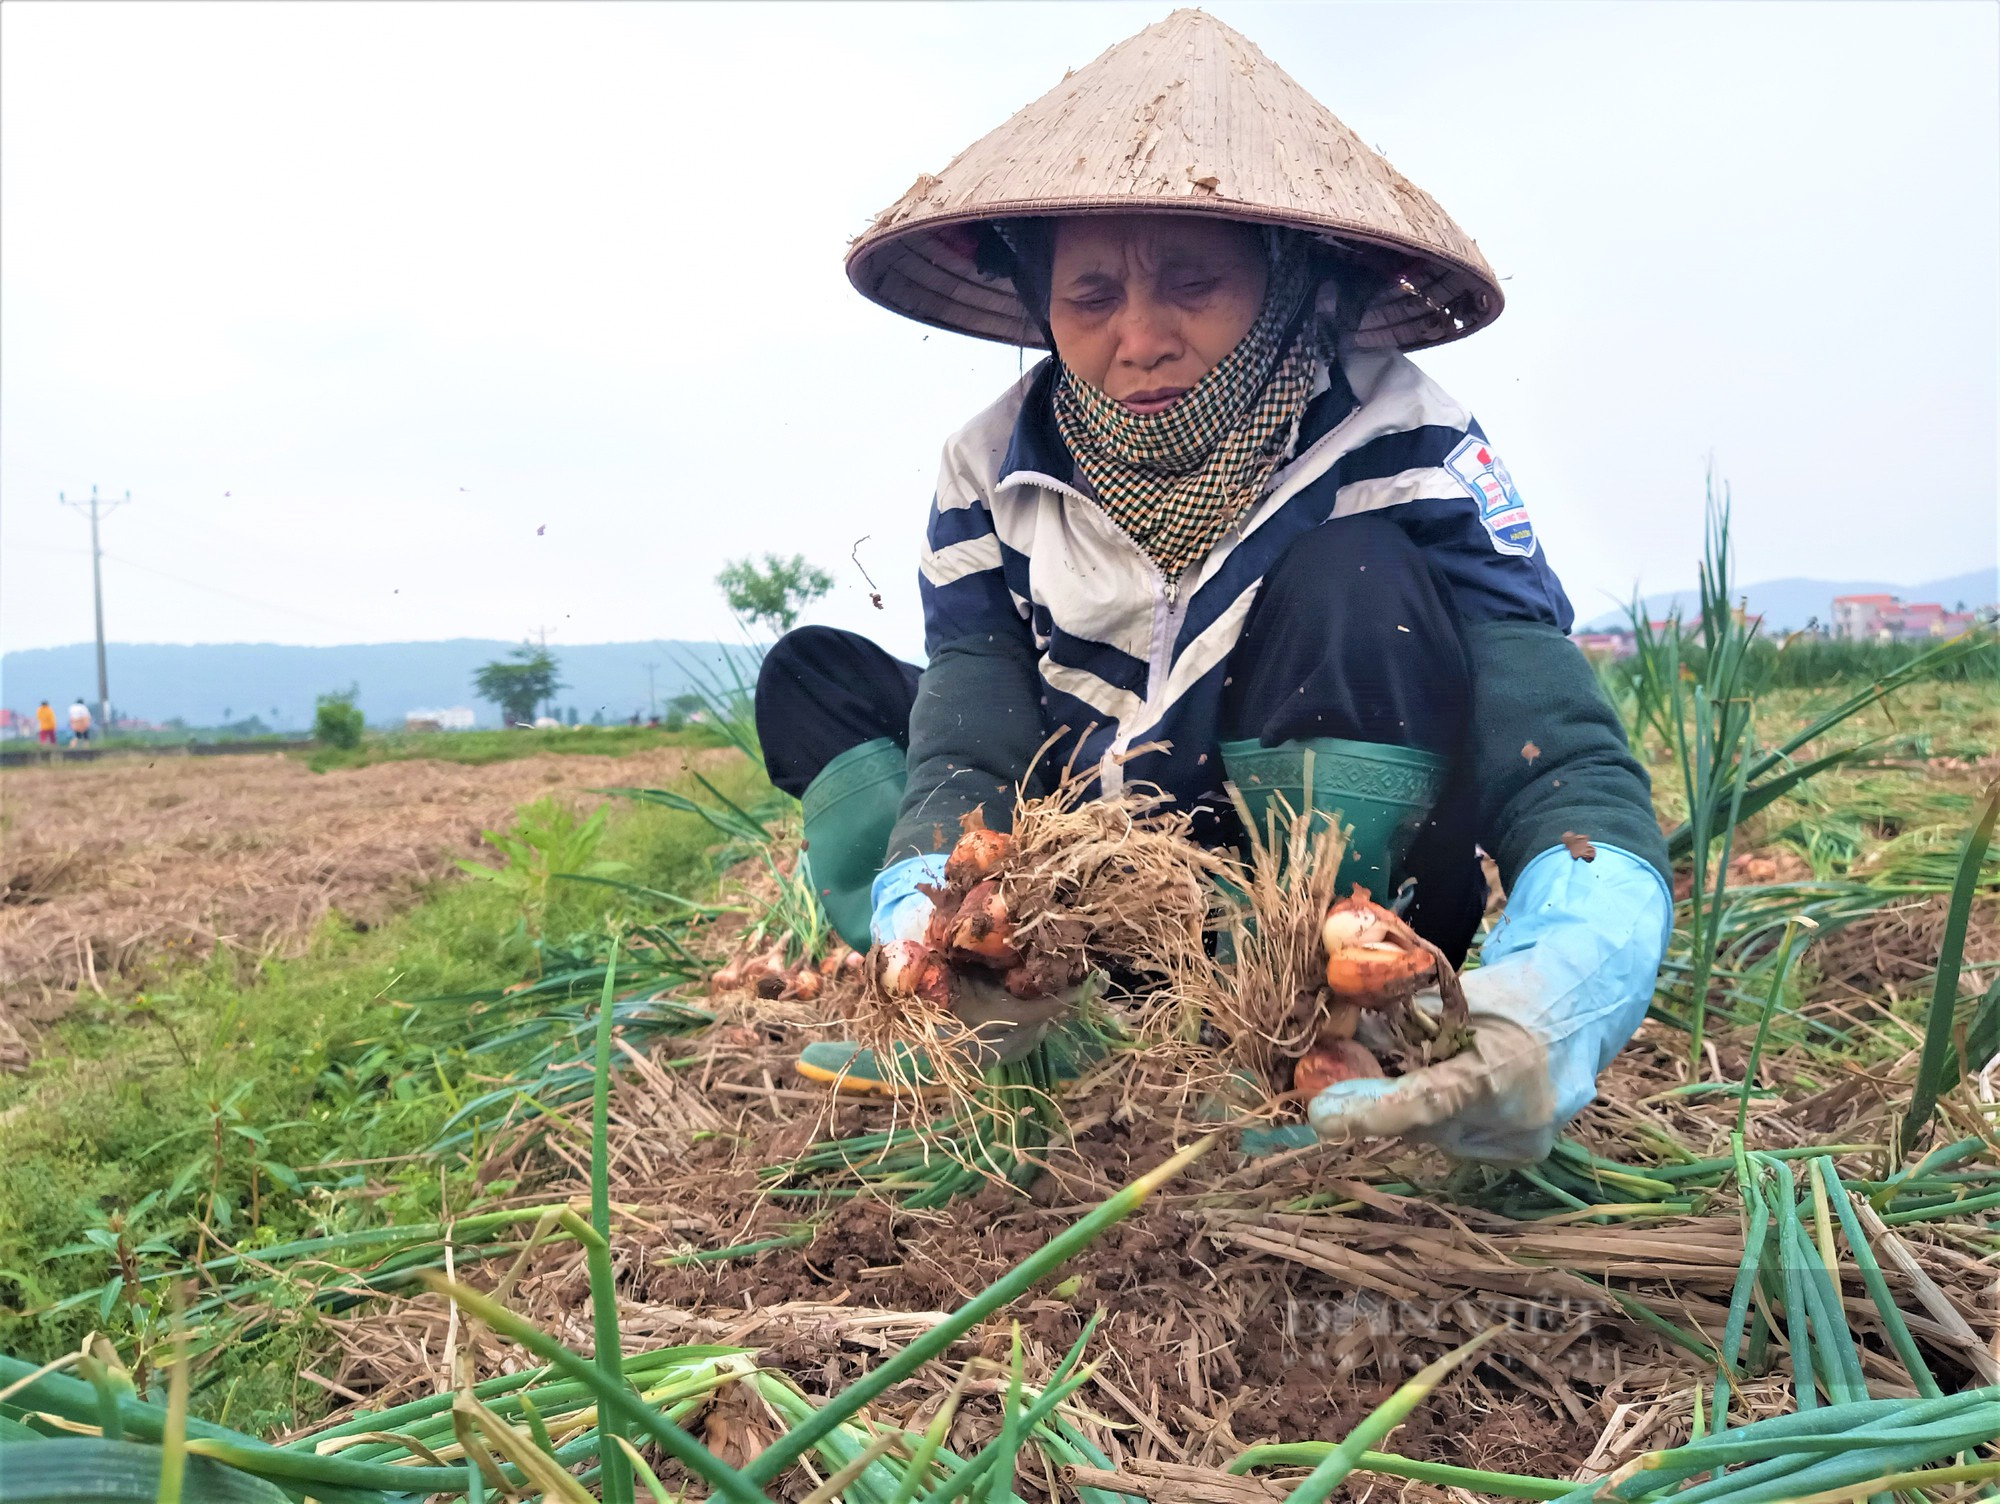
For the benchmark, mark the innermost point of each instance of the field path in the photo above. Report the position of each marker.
(111, 865)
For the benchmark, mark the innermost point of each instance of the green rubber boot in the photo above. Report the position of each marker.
(849, 811)
(1383, 792)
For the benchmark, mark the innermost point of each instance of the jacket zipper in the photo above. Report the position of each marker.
(1169, 611)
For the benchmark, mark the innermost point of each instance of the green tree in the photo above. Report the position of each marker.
(337, 720)
(517, 687)
(773, 596)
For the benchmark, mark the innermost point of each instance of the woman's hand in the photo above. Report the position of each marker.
(1006, 1028)
(1564, 982)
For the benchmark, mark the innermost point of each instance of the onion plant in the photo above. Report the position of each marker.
(1695, 689)
(1937, 1068)
(574, 1422)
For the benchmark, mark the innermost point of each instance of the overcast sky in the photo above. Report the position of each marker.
(419, 321)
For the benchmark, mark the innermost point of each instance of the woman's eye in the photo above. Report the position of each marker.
(1094, 303)
(1196, 287)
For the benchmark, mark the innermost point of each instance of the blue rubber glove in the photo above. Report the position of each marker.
(901, 912)
(1563, 982)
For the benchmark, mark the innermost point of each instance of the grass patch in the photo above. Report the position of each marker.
(243, 1104)
(1896, 787)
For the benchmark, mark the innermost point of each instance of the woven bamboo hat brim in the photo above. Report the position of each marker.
(1186, 117)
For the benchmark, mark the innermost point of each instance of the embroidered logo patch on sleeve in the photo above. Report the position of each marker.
(1501, 509)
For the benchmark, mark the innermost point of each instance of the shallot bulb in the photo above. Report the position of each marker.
(984, 931)
(1352, 922)
(768, 964)
(977, 856)
(766, 973)
(944, 918)
(1333, 1060)
(1372, 957)
(909, 968)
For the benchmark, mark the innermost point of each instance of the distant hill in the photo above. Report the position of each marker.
(208, 684)
(1787, 605)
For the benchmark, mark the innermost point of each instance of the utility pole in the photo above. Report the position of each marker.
(97, 592)
(652, 700)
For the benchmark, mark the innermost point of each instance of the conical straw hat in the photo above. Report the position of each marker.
(1186, 117)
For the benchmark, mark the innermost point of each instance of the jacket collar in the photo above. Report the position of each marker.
(1036, 453)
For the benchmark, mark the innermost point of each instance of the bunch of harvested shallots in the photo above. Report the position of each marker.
(972, 927)
(1375, 963)
(1079, 886)
(1303, 968)
(771, 975)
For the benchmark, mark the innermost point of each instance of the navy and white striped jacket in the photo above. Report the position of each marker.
(1016, 547)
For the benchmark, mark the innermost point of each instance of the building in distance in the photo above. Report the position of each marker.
(1887, 618)
(454, 718)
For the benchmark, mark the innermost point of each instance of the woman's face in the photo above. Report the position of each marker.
(1142, 306)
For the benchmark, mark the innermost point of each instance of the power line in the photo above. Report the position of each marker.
(248, 600)
(210, 530)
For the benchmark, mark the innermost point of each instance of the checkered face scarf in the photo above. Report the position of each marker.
(1176, 481)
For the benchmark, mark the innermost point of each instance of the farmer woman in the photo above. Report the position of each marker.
(1228, 531)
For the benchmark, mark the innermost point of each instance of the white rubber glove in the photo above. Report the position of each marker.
(1564, 981)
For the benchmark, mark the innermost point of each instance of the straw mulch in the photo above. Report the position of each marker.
(1895, 951)
(114, 866)
(1230, 1320)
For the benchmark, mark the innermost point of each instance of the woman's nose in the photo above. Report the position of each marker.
(1147, 333)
